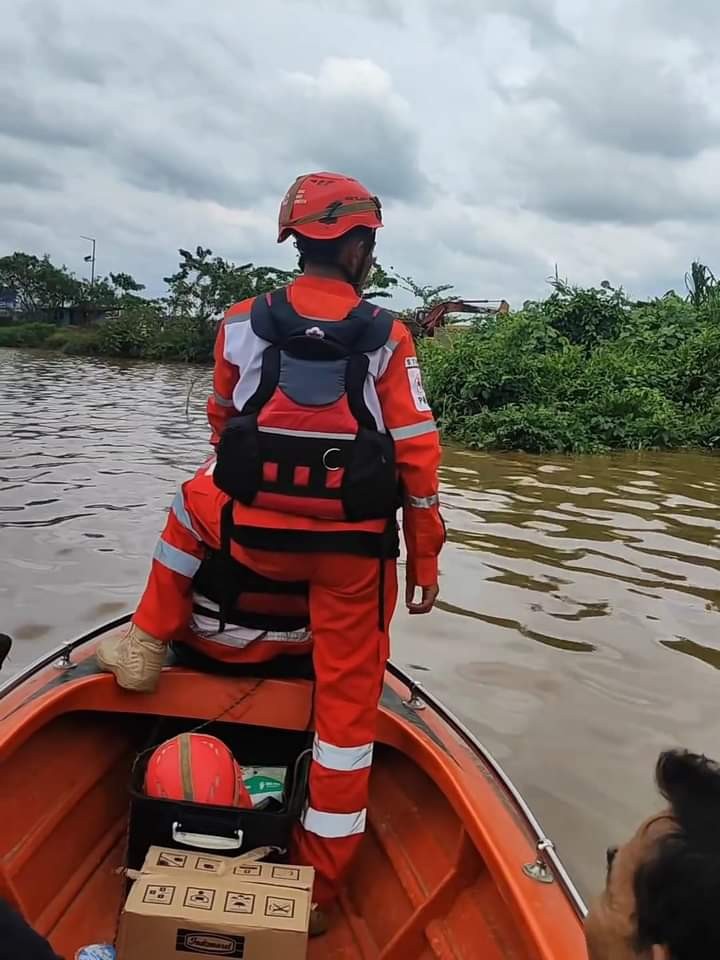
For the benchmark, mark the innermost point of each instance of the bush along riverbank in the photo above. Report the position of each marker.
(137, 334)
(583, 371)
(111, 317)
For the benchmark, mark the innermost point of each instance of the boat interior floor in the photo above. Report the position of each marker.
(419, 888)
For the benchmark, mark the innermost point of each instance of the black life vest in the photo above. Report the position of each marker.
(306, 442)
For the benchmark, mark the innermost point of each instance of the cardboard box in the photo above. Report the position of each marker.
(191, 906)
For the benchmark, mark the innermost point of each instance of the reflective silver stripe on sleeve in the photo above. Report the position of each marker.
(344, 759)
(333, 826)
(424, 503)
(413, 430)
(386, 356)
(176, 560)
(221, 401)
(237, 318)
(180, 511)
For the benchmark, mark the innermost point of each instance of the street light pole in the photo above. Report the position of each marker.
(91, 259)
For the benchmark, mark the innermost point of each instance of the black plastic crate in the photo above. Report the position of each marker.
(227, 830)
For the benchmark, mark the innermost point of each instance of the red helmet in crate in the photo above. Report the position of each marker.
(198, 768)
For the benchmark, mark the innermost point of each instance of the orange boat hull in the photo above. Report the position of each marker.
(440, 874)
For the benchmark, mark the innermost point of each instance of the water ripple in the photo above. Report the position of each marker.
(578, 629)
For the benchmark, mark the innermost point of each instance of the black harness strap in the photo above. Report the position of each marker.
(355, 376)
(365, 328)
(227, 594)
(357, 543)
(276, 622)
(232, 579)
(269, 376)
(388, 551)
(207, 578)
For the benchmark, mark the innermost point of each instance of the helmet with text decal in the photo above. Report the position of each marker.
(324, 206)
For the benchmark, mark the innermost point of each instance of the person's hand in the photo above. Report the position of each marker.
(427, 600)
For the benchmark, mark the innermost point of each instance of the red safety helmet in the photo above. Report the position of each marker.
(197, 768)
(324, 206)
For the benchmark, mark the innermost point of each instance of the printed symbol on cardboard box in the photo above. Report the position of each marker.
(286, 873)
(208, 864)
(236, 902)
(157, 893)
(248, 870)
(172, 860)
(199, 898)
(280, 907)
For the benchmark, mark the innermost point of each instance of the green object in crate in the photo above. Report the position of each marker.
(264, 783)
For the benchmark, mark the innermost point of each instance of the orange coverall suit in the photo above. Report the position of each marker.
(349, 647)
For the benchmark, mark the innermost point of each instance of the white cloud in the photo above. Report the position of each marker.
(360, 124)
(628, 99)
(502, 135)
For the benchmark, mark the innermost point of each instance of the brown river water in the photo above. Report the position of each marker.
(578, 632)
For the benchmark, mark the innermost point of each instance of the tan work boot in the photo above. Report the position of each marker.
(319, 922)
(136, 659)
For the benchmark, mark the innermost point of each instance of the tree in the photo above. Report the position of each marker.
(428, 295)
(701, 285)
(40, 285)
(586, 316)
(98, 295)
(204, 286)
(125, 283)
(380, 283)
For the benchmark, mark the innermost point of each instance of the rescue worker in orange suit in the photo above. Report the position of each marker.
(322, 431)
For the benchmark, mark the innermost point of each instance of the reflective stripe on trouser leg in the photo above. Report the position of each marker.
(166, 605)
(180, 511)
(424, 503)
(334, 826)
(343, 759)
(349, 654)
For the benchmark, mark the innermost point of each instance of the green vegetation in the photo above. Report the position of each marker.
(584, 371)
(26, 334)
(111, 318)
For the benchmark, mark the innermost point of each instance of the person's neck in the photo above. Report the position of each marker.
(327, 271)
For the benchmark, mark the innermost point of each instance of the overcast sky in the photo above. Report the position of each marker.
(503, 136)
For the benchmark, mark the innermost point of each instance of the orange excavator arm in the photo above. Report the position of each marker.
(427, 320)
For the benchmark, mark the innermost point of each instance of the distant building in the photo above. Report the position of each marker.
(77, 315)
(83, 315)
(8, 301)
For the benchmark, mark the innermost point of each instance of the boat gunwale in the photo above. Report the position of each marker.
(61, 653)
(547, 854)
